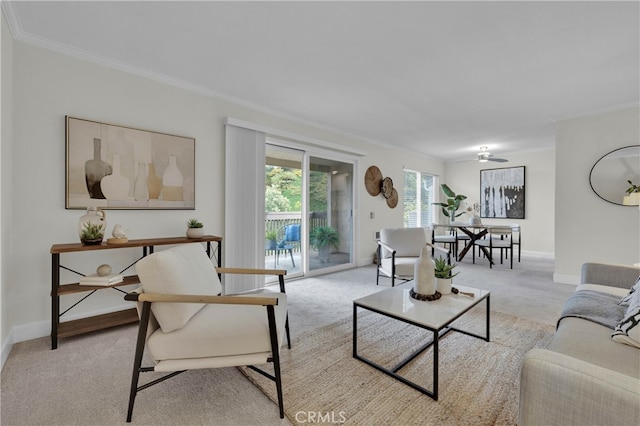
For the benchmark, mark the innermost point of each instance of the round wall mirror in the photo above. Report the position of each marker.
(610, 175)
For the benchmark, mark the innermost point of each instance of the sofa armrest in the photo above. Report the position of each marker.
(556, 389)
(610, 274)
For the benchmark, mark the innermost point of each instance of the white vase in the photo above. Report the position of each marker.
(475, 220)
(424, 274)
(444, 285)
(115, 186)
(172, 182)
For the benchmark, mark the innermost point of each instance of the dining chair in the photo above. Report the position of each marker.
(186, 324)
(448, 239)
(288, 239)
(497, 238)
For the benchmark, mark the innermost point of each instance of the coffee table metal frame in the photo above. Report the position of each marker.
(438, 333)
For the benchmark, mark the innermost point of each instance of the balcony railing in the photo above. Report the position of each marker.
(276, 220)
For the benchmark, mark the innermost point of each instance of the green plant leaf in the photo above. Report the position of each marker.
(448, 191)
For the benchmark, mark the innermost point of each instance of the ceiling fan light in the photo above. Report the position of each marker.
(483, 157)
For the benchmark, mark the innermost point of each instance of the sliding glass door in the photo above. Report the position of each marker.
(308, 211)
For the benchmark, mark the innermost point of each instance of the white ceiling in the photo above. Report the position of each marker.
(441, 78)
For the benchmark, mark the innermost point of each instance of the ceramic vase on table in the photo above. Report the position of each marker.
(92, 226)
(424, 274)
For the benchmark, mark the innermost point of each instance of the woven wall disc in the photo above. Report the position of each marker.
(392, 201)
(373, 180)
(387, 187)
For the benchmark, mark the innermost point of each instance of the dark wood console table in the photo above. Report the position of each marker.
(99, 322)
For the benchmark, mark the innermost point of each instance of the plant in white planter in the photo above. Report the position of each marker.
(322, 239)
(195, 228)
(633, 195)
(452, 205)
(444, 275)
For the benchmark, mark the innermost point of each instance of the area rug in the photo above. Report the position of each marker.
(478, 380)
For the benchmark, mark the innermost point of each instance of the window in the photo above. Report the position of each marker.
(418, 199)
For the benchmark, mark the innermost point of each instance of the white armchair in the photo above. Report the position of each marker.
(398, 250)
(185, 323)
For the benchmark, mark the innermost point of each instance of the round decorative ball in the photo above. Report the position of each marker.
(104, 270)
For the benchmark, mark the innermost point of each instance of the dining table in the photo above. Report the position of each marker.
(474, 232)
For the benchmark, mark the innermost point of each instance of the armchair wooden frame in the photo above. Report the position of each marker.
(146, 299)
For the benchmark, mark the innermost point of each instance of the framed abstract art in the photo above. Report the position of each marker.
(502, 193)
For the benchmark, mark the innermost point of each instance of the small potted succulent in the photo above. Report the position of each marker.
(271, 238)
(444, 275)
(195, 228)
(633, 195)
(92, 233)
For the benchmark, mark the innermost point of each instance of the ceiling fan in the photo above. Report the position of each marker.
(484, 156)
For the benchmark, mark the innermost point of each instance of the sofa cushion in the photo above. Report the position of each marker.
(628, 330)
(592, 343)
(627, 297)
(185, 269)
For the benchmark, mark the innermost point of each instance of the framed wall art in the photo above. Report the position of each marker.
(502, 193)
(116, 167)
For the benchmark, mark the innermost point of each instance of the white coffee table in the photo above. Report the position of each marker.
(435, 316)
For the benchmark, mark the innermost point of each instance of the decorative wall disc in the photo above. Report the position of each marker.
(373, 180)
(387, 187)
(392, 201)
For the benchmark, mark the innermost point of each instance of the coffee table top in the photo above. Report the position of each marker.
(437, 314)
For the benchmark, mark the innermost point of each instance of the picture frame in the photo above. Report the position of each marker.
(116, 167)
(502, 193)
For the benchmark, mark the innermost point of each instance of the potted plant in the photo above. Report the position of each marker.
(322, 239)
(444, 275)
(195, 228)
(453, 203)
(633, 197)
(271, 238)
(92, 233)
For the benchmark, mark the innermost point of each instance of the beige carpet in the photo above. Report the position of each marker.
(478, 379)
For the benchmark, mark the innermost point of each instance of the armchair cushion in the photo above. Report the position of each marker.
(221, 330)
(184, 269)
(407, 242)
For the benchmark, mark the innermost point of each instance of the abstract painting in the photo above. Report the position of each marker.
(116, 167)
(502, 193)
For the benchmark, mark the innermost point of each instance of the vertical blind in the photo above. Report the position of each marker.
(244, 206)
(418, 189)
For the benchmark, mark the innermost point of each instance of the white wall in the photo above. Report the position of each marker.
(46, 87)
(587, 227)
(538, 225)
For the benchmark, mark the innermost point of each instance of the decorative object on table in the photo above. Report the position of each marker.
(103, 270)
(609, 174)
(195, 228)
(271, 237)
(466, 293)
(322, 238)
(452, 205)
(424, 274)
(91, 226)
(373, 180)
(119, 235)
(101, 280)
(95, 169)
(444, 275)
(633, 199)
(139, 156)
(474, 210)
(502, 193)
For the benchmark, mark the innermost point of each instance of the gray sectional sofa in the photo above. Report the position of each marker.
(584, 377)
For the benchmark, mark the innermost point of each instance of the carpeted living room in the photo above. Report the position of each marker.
(270, 137)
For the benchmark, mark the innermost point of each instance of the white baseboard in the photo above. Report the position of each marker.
(566, 279)
(40, 329)
(538, 254)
